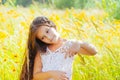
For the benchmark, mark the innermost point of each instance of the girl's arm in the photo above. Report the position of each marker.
(39, 75)
(79, 47)
(86, 48)
(37, 70)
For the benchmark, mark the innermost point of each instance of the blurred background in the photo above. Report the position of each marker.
(111, 6)
(94, 21)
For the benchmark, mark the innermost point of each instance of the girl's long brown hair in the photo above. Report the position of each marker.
(33, 46)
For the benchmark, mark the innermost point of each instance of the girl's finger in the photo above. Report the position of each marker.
(66, 55)
(74, 53)
(64, 77)
(71, 54)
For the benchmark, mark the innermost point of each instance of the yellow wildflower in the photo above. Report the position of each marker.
(1, 14)
(13, 69)
(2, 34)
(93, 18)
(32, 11)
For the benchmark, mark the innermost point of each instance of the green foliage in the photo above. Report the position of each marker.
(112, 7)
(3, 1)
(42, 1)
(80, 3)
(64, 3)
(117, 11)
(74, 3)
(24, 3)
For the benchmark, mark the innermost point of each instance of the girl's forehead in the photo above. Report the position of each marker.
(41, 28)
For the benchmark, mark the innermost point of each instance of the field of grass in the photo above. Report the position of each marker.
(91, 25)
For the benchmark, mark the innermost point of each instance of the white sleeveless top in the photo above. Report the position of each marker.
(56, 61)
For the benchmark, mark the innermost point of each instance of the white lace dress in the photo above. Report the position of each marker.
(56, 61)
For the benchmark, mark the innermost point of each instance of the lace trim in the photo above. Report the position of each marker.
(57, 50)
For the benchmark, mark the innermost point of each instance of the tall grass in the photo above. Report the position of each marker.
(112, 7)
(92, 26)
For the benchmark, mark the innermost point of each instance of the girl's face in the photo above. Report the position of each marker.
(47, 34)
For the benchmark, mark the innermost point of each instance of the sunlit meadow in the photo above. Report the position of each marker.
(91, 25)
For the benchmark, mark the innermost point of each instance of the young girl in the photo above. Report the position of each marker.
(49, 56)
